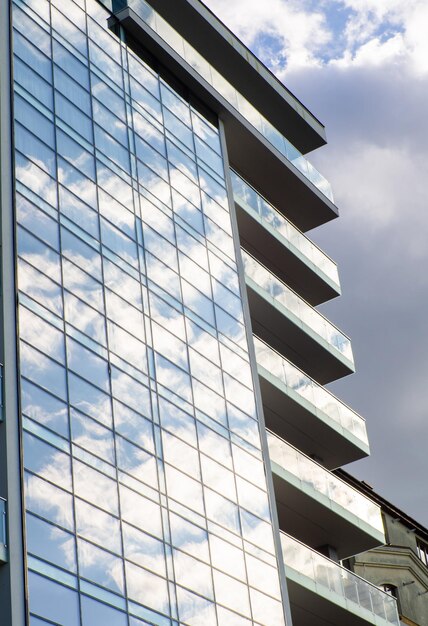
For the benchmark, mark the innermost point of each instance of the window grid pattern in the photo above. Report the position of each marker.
(145, 486)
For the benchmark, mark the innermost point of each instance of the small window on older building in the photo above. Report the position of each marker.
(422, 551)
(390, 589)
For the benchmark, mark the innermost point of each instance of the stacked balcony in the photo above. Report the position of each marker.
(302, 412)
(322, 593)
(293, 327)
(311, 431)
(318, 507)
(281, 246)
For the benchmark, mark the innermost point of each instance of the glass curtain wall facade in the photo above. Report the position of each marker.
(145, 490)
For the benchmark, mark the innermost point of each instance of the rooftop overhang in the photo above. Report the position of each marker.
(222, 49)
(250, 154)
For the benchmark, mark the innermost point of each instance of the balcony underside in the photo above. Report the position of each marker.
(260, 240)
(252, 156)
(310, 608)
(299, 425)
(297, 342)
(318, 521)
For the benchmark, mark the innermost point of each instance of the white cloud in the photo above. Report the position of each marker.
(299, 34)
(290, 34)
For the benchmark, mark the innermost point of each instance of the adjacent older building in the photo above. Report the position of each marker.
(401, 566)
(167, 443)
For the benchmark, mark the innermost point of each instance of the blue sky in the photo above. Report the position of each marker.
(361, 66)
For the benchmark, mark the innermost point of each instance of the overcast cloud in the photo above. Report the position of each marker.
(361, 66)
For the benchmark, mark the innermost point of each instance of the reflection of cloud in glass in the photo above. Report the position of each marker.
(206, 371)
(36, 179)
(257, 531)
(189, 537)
(181, 455)
(100, 566)
(167, 316)
(41, 334)
(173, 378)
(90, 400)
(227, 618)
(82, 285)
(227, 557)
(209, 402)
(122, 283)
(193, 574)
(263, 576)
(133, 426)
(84, 318)
(49, 501)
(98, 526)
(214, 445)
(237, 393)
(184, 489)
(147, 588)
(44, 408)
(77, 183)
(177, 421)
(140, 511)
(144, 550)
(169, 346)
(221, 510)
(252, 498)
(42, 370)
(125, 315)
(218, 478)
(92, 436)
(194, 610)
(137, 462)
(130, 391)
(231, 593)
(265, 609)
(95, 487)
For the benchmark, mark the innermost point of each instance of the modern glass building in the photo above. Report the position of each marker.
(166, 441)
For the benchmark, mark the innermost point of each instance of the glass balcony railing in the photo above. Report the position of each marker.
(304, 312)
(294, 237)
(310, 391)
(225, 89)
(338, 584)
(317, 478)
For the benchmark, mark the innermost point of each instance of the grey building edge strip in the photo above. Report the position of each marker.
(13, 600)
(256, 384)
(236, 62)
